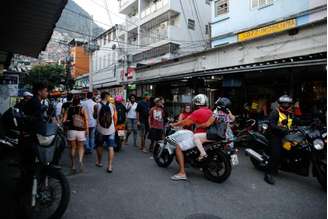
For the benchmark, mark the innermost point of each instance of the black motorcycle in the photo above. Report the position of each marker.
(302, 147)
(34, 184)
(216, 167)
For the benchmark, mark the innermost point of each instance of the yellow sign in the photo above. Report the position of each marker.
(263, 31)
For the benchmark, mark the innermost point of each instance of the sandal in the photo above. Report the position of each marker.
(99, 165)
(202, 157)
(109, 171)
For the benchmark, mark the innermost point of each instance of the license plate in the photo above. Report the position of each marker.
(121, 133)
(234, 160)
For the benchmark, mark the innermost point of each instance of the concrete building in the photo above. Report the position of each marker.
(79, 58)
(238, 21)
(158, 30)
(260, 51)
(108, 70)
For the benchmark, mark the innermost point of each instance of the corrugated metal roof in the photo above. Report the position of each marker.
(27, 25)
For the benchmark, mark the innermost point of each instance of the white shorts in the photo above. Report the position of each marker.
(184, 138)
(73, 135)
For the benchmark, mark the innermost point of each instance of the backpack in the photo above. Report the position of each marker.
(105, 116)
(78, 120)
(121, 114)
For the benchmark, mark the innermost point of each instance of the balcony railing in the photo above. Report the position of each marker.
(124, 3)
(153, 7)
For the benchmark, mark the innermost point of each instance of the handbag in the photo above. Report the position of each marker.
(217, 131)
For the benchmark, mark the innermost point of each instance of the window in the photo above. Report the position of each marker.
(221, 7)
(207, 29)
(260, 3)
(208, 2)
(191, 24)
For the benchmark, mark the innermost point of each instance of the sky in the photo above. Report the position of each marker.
(97, 9)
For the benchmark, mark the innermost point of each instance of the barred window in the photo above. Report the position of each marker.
(191, 24)
(221, 7)
(260, 3)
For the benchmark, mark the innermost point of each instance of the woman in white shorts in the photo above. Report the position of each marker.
(77, 120)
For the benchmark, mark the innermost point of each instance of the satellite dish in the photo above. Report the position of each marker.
(114, 46)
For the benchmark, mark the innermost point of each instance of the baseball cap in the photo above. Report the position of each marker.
(27, 94)
(146, 94)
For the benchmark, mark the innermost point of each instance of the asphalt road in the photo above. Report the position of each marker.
(139, 189)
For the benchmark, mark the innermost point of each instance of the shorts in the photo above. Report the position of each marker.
(74, 135)
(184, 138)
(155, 134)
(105, 141)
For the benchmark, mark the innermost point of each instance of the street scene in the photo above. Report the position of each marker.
(182, 109)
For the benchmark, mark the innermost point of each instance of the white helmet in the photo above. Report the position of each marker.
(200, 100)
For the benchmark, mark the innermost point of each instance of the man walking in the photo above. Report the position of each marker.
(105, 136)
(142, 119)
(89, 106)
(156, 123)
(131, 107)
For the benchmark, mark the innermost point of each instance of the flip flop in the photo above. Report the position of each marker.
(99, 165)
(178, 177)
(109, 171)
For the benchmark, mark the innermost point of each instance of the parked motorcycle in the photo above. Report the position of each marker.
(216, 167)
(30, 172)
(302, 147)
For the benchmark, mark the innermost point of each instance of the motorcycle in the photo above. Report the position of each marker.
(31, 174)
(120, 136)
(303, 146)
(216, 167)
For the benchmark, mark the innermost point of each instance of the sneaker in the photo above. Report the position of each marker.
(145, 150)
(152, 158)
(177, 177)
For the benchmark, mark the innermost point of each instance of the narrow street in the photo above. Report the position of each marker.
(138, 189)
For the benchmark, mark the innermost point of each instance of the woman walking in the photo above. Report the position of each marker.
(77, 120)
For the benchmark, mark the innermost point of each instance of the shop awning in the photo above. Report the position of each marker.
(292, 62)
(26, 26)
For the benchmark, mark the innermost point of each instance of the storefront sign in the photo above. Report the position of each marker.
(263, 31)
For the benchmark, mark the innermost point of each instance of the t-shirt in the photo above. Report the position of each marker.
(59, 108)
(73, 110)
(156, 117)
(111, 129)
(88, 105)
(200, 116)
(221, 116)
(143, 109)
(132, 114)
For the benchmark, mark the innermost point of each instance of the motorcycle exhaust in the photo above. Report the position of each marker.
(254, 154)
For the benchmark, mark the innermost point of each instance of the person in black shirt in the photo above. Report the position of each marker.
(142, 119)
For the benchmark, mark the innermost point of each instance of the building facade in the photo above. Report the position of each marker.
(238, 21)
(79, 58)
(157, 30)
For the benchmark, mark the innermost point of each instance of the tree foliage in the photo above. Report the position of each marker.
(53, 74)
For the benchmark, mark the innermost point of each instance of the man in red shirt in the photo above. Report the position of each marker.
(156, 123)
(184, 140)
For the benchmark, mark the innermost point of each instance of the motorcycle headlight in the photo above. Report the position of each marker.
(318, 144)
(45, 140)
(265, 126)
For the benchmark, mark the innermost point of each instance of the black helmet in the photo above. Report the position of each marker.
(285, 101)
(223, 102)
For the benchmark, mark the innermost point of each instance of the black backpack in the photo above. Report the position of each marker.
(121, 113)
(105, 116)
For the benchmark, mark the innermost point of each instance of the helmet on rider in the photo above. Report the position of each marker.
(118, 99)
(223, 103)
(285, 102)
(200, 100)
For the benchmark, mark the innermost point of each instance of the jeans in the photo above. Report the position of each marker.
(132, 127)
(90, 139)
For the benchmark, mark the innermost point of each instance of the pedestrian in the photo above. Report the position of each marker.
(59, 106)
(121, 120)
(76, 119)
(131, 107)
(184, 114)
(156, 123)
(142, 119)
(89, 106)
(105, 131)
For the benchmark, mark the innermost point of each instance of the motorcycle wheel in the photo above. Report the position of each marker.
(217, 167)
(51, 184)
(165, 159)
(322, 173)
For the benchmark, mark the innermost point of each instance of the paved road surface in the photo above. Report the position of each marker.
(138, 189)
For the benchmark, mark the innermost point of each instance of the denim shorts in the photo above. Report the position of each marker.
(105, 141)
